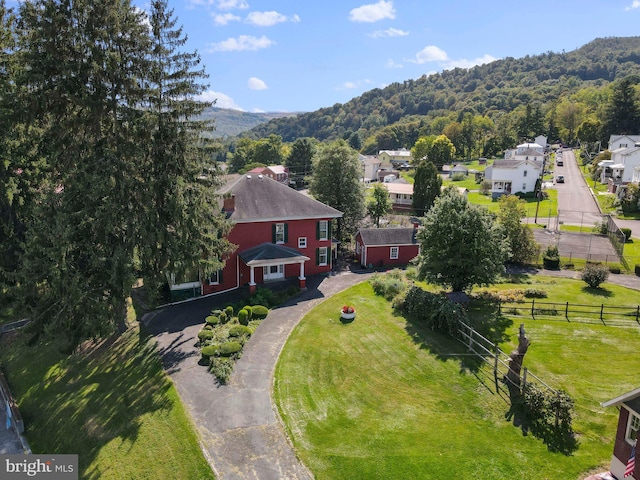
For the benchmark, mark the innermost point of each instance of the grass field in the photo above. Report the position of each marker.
(112, 404)
(382, 398)
(547, 208)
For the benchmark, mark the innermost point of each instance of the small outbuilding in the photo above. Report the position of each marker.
(623, 459)
(381, 247)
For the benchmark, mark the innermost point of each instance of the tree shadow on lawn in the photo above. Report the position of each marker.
(445, 347)
(597, 291)
(79, 404)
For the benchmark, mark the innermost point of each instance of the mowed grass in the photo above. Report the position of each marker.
(113, 405)
(547, 208)
(383, 398)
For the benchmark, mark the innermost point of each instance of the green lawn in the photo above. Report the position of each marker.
(548, 207)
(383, 398)
(113, 406)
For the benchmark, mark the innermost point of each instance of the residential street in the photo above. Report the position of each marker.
(575, 201)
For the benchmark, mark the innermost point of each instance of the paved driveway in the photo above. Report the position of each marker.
(238, 424)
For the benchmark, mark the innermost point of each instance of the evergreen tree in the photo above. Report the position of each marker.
(426, 187)
(300, 158)
(336, 182)
(623, 112)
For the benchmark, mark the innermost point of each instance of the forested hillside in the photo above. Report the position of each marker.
(551, 93)
(229, 123)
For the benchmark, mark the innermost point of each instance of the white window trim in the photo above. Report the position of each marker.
(302, 242)
(279, 225)
(630, 421)
(397, 251)
(326, 230)
(326, 256)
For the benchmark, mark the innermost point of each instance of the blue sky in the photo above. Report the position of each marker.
(301, 55)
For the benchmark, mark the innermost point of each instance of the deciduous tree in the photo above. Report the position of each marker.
(380, 204)
(426, 187)
(461, 245)
(522, 246)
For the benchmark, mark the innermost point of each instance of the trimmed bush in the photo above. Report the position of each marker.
(260, 311)
(243, 317)
(221, 368)
(204, 335)
(209, 351)
(627, 233)
(229, 348)
(637, 270)
(551, 258)
(212, 320)
(229, 311)
(594, 274)
(216, 312)
(239, 330)
(614, 269)
(224, 318)
(249, 310)
(208, 327)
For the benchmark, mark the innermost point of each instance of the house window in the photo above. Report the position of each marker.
(280, 233)
(524, 187)
(323, 230)
(524, 174)
(215, 278)
(302, 242)
(322, 256)
(632, 428)
(394, 253)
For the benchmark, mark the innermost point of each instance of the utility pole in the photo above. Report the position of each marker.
(539, 193)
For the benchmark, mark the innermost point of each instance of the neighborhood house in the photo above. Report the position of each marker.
(623, 459)
(279, 233)
(395, 157)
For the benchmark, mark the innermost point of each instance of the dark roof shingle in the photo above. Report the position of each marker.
(388, 236)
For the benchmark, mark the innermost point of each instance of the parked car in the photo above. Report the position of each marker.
(560, 179)
(560, 163)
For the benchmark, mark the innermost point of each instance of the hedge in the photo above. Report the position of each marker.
(260, 311)
(229, 348)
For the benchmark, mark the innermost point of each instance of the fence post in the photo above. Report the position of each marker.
(495, 369)
(601, 311)
(533, 303)
(566, 311)
(499, 307)
(638, 314)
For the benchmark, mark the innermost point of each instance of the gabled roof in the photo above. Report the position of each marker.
(631, 399)
(531, 152)
(260, 198)
(403, 152)
(277, 169)
(267, 252)
(388, 236)
(399, 188)
(514, 163)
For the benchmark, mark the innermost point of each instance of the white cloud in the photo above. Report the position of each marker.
(430, 53)
(464, 63)
(390, 32)
(351, 85)
(391, 64)
(221, 100)
(255, 83)
(243, 42)
(268, 19)
(220, 4)
(373, 12)
(634, 5)
(224, 18)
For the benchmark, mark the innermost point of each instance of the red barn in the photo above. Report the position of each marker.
(627, 433)
(377, 247)
(279, 233)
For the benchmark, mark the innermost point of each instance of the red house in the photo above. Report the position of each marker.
(279, 173)
(279, 233)
(627, 433)
(377, 247)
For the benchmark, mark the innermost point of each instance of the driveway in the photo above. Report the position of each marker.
(238, 423)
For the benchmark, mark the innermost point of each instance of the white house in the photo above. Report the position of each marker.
(401, 195)
(511, 176)
(622, 141)
(520, 149)
(623, 168)
(395, 157)
(542, 140)
(370, 166)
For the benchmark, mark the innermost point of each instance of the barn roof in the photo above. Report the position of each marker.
(388, 236)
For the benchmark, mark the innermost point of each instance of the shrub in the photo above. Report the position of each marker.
(551, 258)
(263, 296)
(388, 285)
(260, 311)
(243, 317)
(221, 368)
(614, 269)
(637, 270)
(485, 187)
(239, 330)
(601, 227)
(249, 309)
(229, 311)
(458, 176)
(212, 320)
(224, 318)
(535, 293)
(209, 351)
(229, 348)
(594, 274)
(204, 335)
(216, 312)
(627, 233)
(436, 311)
(208, 327)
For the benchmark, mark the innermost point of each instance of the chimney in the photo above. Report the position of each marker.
(229, 204)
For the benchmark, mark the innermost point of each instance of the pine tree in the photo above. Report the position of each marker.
(623, 112)
(426, 187)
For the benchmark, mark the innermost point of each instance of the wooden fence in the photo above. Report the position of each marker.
(489, 353)
(613, 315)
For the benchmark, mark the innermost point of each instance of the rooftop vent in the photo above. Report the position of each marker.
(248, 176)
(260, 176)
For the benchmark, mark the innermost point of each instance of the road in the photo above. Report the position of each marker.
(575, 200)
